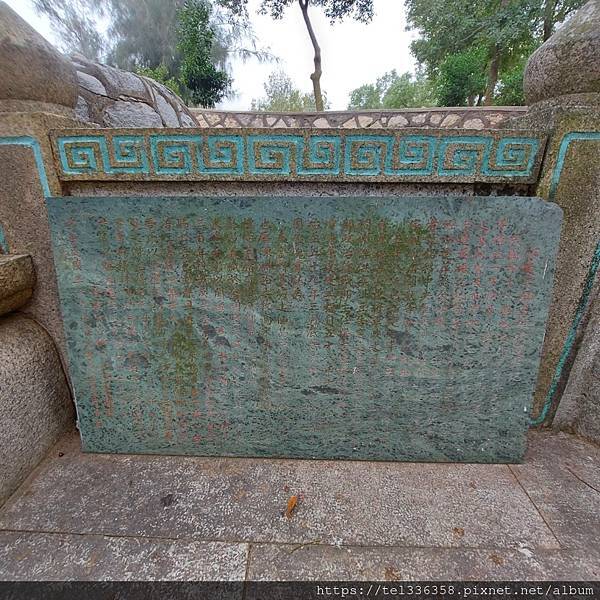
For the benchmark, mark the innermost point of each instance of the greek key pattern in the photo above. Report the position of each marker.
(259, 154)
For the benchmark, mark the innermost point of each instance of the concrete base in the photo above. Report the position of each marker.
(119, 517)
(35, 402)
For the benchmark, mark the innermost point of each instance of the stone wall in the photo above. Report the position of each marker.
(92, 95)
(562, 85)
(444, 118)
(110, 97)
(38, 92)
(580, 402)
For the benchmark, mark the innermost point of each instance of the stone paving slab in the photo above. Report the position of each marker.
(566, 453)
(194, 518)
(561, 476)
(243, 500)
(57, 557)
(298, 563)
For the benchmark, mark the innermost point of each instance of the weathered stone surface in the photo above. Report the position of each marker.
(565, 453)
(569, 177)
(124, 517)
(91, 84)
(123, 83)
(131, 114)
(419, 119)
(30, 68)
(433, 117)
(579, 408)
(568, 62)
(82, 110)
(355, 367)
(450, 121)
(111, 97)
(224, 499)
(330, 563)
(23, 217)
(62, 557)
(397, 121)
(321, 122)
(35, 404)
(166, 111)
(17, 279)
(565, 494)
(473, 124)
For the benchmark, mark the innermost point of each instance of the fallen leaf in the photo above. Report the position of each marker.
(459, 531)
(497, 559)
(390, 574)
(291, 505)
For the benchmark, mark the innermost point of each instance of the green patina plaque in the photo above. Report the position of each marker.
(402, 328)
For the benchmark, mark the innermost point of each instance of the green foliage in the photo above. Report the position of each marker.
(282, 96)
(161, 74)
(502, 33)
(364, 97)
(510, 87)
(409, 91)
(394, 91)
(144, 36)
(461, 80)
(206, 83)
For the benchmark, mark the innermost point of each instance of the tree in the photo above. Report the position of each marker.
(145, 36)
(510, 87)
(409, 91)
(77, 24)
(207, 84)
(461, 80)
(282, 96)
(365, 97)
(394, 91)
(335, 10)
(161, 74)
(504, 31)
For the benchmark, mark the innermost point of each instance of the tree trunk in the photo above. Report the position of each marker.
(494, 67)
(549, 8)
(492, 78)
(316, 75)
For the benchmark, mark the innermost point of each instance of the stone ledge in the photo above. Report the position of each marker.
(17, 280)
(300, 154)
(474, 118)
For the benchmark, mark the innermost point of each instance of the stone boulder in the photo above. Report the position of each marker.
(110, 97)
(17, 280)
(35, 401)
(31, 69)
(569, 61)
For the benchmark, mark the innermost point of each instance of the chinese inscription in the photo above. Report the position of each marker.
(358, 328)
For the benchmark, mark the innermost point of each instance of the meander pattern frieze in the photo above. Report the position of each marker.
(301, 154)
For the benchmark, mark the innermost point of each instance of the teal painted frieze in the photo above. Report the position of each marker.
(301, 154)
(338, 328)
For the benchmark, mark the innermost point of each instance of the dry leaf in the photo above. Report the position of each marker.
(291, 505)
(391, 574)
(459, 531)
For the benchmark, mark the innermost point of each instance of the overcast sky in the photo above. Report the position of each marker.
(353, 53)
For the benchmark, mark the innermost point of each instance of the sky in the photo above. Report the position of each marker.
(352, 53)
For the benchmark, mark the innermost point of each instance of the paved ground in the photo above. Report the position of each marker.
(83, 516)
